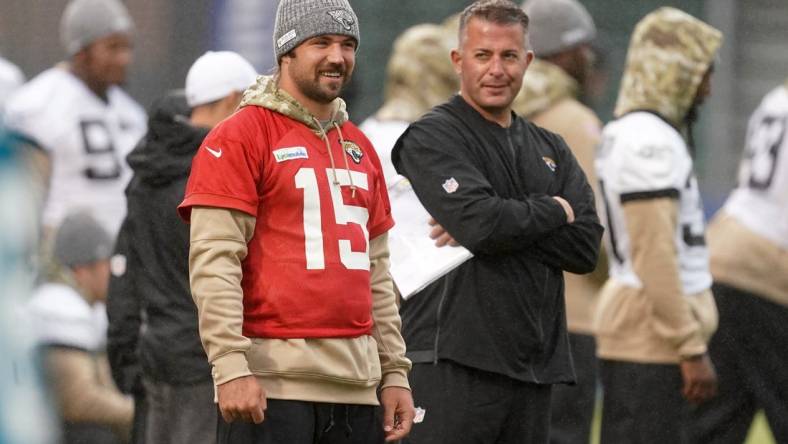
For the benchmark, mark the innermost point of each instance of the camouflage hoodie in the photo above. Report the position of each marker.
(267, 94)
(544, 85)
(420, 74)
(669, 53)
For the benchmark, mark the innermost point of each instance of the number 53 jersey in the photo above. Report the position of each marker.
(306, 274)
(87, 140)
(760, 201)
(748, 238)
(643, 157)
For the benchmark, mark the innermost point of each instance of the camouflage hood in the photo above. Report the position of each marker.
(267, 94)
(669, 53)
(544, 85)
(420, 74)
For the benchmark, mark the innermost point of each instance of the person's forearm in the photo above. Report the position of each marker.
(217, 248)
(651, 225)
(387, 323)
(474, 214)
(81, 394)
(573, 248)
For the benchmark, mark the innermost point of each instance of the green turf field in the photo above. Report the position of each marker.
(759, 432)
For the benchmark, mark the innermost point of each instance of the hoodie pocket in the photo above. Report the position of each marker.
(347, 360)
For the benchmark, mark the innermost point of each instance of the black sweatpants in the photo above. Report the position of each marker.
(86, 433)
(642, 403)
(469, 406)
(750, 352)
(139, 426)
(573, 405)
(301, 422)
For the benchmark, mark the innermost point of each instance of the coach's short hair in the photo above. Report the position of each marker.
(502, 12)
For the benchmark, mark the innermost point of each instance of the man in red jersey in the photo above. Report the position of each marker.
(289, 256)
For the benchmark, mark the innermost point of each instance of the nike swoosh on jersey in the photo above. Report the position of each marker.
(216, 154)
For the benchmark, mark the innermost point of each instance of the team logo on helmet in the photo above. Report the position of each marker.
(353, 150)
(343, 18)
(550, 163)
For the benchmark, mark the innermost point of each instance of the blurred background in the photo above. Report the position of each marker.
(171, 34)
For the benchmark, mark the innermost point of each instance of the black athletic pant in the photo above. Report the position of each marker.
(469, 406)
(85, 433)
(139, 426)
(300, 422)
(642, 403)
(573, 405)
(750, 352)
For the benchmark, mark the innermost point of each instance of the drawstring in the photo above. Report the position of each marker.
(331, 157)
(330, 420)
(332, 423)
(344, 156)
(349, 430)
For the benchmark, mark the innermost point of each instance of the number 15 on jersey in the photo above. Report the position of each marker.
(306, 179)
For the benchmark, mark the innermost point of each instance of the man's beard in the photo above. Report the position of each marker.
(311, 88)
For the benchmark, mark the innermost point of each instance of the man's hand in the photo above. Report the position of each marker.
(700, 379)
(398, 412)
(441, 236)
(570, 213)
(242, 399)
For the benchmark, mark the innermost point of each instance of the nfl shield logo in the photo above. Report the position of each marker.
(451, 185)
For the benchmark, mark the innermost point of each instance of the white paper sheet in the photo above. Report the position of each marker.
(415, 260)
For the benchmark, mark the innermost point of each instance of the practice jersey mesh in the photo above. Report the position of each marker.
(760, 201)
(87, 140)
(642, 157)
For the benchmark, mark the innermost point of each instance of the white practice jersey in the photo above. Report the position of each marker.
(11, 78)
(760, 201)
(383, 135)
(60, 316)
(643, 157)
(87, 140)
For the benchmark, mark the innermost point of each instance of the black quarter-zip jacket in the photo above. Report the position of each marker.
(153, 321)
(491, 188)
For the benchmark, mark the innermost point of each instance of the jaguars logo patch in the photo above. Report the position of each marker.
(550, 163)
(353, 150)
(343, 18)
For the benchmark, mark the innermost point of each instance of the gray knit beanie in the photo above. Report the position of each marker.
(81, 240)
(85, 21)
(557, 25)
(299, 20)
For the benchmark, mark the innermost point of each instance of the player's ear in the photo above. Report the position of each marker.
(529, 57)
(456, 60)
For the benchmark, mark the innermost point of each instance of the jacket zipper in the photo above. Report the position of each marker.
(438, 328)
(514, 170)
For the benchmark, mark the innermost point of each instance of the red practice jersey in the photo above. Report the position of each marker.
(306, 274)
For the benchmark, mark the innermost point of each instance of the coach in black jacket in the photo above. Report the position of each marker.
(153, 331)
(488, 339)
(150, 282)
